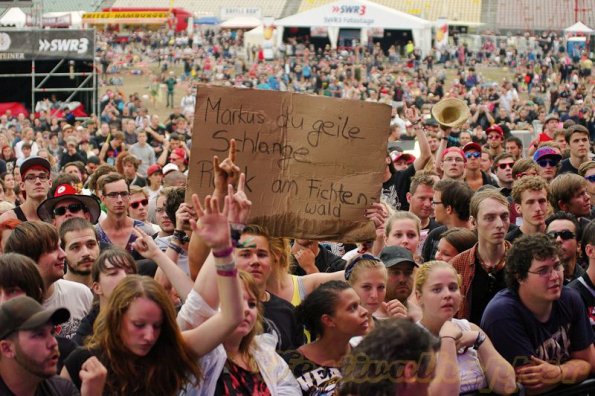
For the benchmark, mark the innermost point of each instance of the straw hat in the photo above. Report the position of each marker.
(451, 112)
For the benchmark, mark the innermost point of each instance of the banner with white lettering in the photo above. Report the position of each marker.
(313, 164)
(46, 44)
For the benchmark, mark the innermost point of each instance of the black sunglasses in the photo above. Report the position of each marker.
(135, 204)
(565, 234)
(72, 208)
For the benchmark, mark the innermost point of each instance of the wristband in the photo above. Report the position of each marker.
(229, 274)
(236, 232)
(223, 252)
(225, 267)
(454, 339)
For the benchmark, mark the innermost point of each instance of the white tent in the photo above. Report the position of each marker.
(361, 14)
(579, 27)
(14, 16)
(241, 23)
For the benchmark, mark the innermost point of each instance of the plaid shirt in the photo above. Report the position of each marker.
(464, 263)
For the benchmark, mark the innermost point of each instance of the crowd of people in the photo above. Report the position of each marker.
(480, 278)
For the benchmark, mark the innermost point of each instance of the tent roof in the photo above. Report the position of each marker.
(356, 14)
(241, 22)
(14, 15)
(578, 27)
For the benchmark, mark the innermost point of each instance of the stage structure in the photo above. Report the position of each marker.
(36, 63)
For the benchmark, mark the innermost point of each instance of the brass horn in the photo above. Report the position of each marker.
(451, 112)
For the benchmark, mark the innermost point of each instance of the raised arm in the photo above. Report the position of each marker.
(238, 213)
(425, 153)
(214, 229)
(147, 247)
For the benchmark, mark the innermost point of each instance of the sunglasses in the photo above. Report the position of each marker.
(547, 162)
(136, 204)
(590, 179)
(564, 235)
(472, 154)
(504, 166)
(72, 208)
(351, 265)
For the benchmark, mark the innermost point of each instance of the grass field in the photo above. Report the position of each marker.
(140, 84)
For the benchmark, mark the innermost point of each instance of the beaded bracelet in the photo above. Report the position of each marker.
(223, 252)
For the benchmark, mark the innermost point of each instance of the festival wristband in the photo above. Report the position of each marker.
(229, 274)
(225, 267)
(223, 252)
(454, 339)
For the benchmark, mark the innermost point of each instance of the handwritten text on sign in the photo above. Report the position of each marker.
(312, 164)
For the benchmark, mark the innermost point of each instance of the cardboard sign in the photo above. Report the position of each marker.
(313, 164)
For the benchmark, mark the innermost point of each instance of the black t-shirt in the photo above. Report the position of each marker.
(484, 287)
(396, 188)
(53, 386)
(566, 167)
(313, 379)
(517, 334)
(586, 289)
(326, 261)
(280, 320)
(514, 234)
(430, 246)
(75, 361)
(236, 381)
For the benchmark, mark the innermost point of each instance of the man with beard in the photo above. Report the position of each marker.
(78, 239)
(400, 264)
(564, 229)
(29, 353)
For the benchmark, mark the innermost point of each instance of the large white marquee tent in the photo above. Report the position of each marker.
(363, 15)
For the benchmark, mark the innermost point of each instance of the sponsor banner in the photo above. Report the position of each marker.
(46, 44)
(233, 12)
(126, 17)
(56, 21)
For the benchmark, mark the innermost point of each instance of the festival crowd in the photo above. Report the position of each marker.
(481, 276)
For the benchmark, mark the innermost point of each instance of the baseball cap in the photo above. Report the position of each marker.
(170, 167)
(35, 162)
(24, 313)
(66, 127)
(67, 191)
(153, 168)
(456, 150)
(393, 255)
(396, 156)
(179, 152)
(495, 128)
(546, 152)
(472, 146)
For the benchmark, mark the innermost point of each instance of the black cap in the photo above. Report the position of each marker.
(393, 255)
(35, 162)
(24, 313)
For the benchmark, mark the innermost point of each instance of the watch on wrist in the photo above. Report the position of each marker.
(181, 236)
